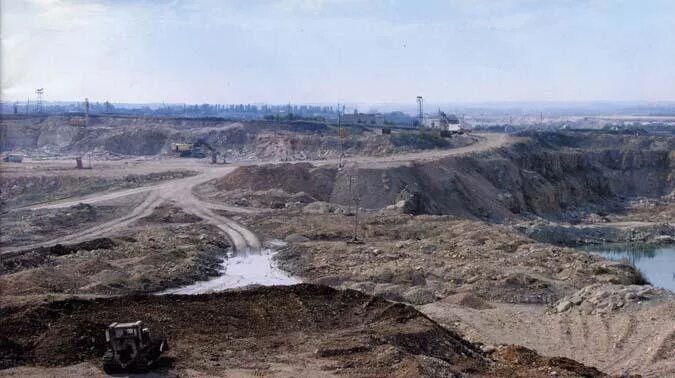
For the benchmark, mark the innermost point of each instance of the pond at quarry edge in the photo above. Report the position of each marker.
(656, 262)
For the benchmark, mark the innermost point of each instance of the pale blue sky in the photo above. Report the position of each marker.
(325, 51)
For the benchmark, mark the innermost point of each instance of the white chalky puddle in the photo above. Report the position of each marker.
(239, 271)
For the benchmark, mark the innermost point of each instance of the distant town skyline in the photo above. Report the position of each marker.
(329, 51)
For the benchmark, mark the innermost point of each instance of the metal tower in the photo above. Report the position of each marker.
(420, 101)
(39, 92)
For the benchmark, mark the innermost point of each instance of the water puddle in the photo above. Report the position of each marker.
(657, 263)
(240, 271)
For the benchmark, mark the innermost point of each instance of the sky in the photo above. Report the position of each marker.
(329, 51)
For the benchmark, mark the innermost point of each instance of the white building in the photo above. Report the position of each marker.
(441, 121)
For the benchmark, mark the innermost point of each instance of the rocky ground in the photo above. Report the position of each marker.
(491, 284)
(421, 259)
(647, 221)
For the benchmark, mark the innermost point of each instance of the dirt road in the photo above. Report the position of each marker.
(487, 142)
(180, 193)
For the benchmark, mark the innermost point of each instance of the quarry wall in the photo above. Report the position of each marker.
(527, 177)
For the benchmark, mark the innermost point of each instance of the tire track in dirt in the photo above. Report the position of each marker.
(638, 341)
(144, 209)
(566, 332)
(637, 353)
(606, 334)
(243, 240)
(179, 191)
(91, 199)
(628, 332)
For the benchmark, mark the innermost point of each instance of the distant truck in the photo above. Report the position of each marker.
(13, 158)
(181, 147)
(193, 150)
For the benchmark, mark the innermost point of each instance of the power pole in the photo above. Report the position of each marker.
(39, 92)
(420, 101)
(541, 119)
(86, 112)
(341, 134)
(356, 199)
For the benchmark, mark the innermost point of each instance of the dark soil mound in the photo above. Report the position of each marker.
(16, 261)
(344, 331)
(291, 178)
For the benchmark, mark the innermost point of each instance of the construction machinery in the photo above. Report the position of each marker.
(130, 348)
(193, 150)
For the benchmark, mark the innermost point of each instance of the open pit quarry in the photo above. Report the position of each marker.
(470, 260)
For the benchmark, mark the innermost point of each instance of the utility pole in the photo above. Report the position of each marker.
(420, 101)
(39, 92)
(541, 119)
(341, 134)
(86, 112)
(356, 199)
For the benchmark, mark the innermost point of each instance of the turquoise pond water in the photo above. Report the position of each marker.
(657, 263)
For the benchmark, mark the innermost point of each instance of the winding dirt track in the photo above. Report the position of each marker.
(180, 193)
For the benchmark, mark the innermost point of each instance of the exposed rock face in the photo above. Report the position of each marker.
(148, 136)
(529, 177)
(551, 232)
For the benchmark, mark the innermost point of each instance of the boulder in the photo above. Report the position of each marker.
(296, 238)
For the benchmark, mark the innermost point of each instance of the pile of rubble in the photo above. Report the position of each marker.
(604, 298)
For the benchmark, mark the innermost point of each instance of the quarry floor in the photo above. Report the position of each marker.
(489, 283)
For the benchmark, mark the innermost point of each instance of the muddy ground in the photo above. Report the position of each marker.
(301, 330)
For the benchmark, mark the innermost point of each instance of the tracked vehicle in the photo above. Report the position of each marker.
(130, 348)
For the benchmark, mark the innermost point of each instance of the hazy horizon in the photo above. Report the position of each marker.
(323, 52)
